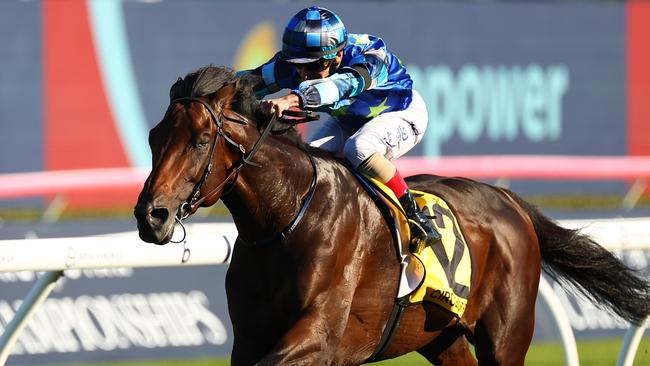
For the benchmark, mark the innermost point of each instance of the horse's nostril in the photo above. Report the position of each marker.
(160, 214)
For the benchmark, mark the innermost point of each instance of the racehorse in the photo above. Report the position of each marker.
(313, 276)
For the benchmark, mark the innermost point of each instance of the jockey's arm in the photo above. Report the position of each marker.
(347, 82)
(366, 71)
(266, 84)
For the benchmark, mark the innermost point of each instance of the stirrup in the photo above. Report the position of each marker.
(417, 244)
(420, 239)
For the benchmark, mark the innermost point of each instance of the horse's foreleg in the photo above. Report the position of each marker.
(312, 340)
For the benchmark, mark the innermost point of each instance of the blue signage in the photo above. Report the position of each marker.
(111, 314)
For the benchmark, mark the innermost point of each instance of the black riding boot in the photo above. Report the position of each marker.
(423, 233)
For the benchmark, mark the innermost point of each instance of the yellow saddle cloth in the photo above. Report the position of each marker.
(439, 274)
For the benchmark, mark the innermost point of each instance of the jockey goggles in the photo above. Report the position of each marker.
(314, 66)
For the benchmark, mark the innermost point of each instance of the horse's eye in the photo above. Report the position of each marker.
(202, 143)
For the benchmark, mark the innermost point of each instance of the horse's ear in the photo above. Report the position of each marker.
(177, 90)
(174, 90)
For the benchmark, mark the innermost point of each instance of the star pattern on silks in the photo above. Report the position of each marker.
(340, 111)
(375, 111)
(361, 39)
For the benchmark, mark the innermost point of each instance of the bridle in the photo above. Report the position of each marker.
(194, 200)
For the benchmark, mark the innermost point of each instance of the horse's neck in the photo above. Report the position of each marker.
(264, 200)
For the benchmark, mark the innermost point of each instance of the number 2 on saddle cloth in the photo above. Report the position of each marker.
(441, 272)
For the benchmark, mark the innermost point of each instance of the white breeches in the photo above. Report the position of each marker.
(391, 134)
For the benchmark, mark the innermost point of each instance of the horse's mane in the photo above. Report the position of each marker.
(209, 79)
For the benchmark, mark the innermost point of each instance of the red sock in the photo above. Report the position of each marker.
(397, 185)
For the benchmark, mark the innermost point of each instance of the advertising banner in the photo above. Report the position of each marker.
(125, 313)
(498, 78)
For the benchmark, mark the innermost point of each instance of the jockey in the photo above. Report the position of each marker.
(375, 115)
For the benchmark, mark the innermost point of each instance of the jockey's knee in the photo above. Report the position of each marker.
(359, 148)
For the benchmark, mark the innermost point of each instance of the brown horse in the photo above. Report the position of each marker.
(313, 276)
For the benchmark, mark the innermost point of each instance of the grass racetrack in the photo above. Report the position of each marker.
(592, 353)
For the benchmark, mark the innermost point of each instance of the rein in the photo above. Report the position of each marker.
(193, 201)
(292, 225)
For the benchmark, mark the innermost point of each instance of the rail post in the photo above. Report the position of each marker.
(35, 297)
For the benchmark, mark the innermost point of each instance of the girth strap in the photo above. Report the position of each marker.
(389, 330)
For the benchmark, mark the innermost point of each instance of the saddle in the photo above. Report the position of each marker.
(438, 274)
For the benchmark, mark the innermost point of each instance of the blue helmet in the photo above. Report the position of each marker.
(312, 34)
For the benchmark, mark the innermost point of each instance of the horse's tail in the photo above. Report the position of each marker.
(576, 261)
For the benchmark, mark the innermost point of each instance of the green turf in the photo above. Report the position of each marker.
(592, 353)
